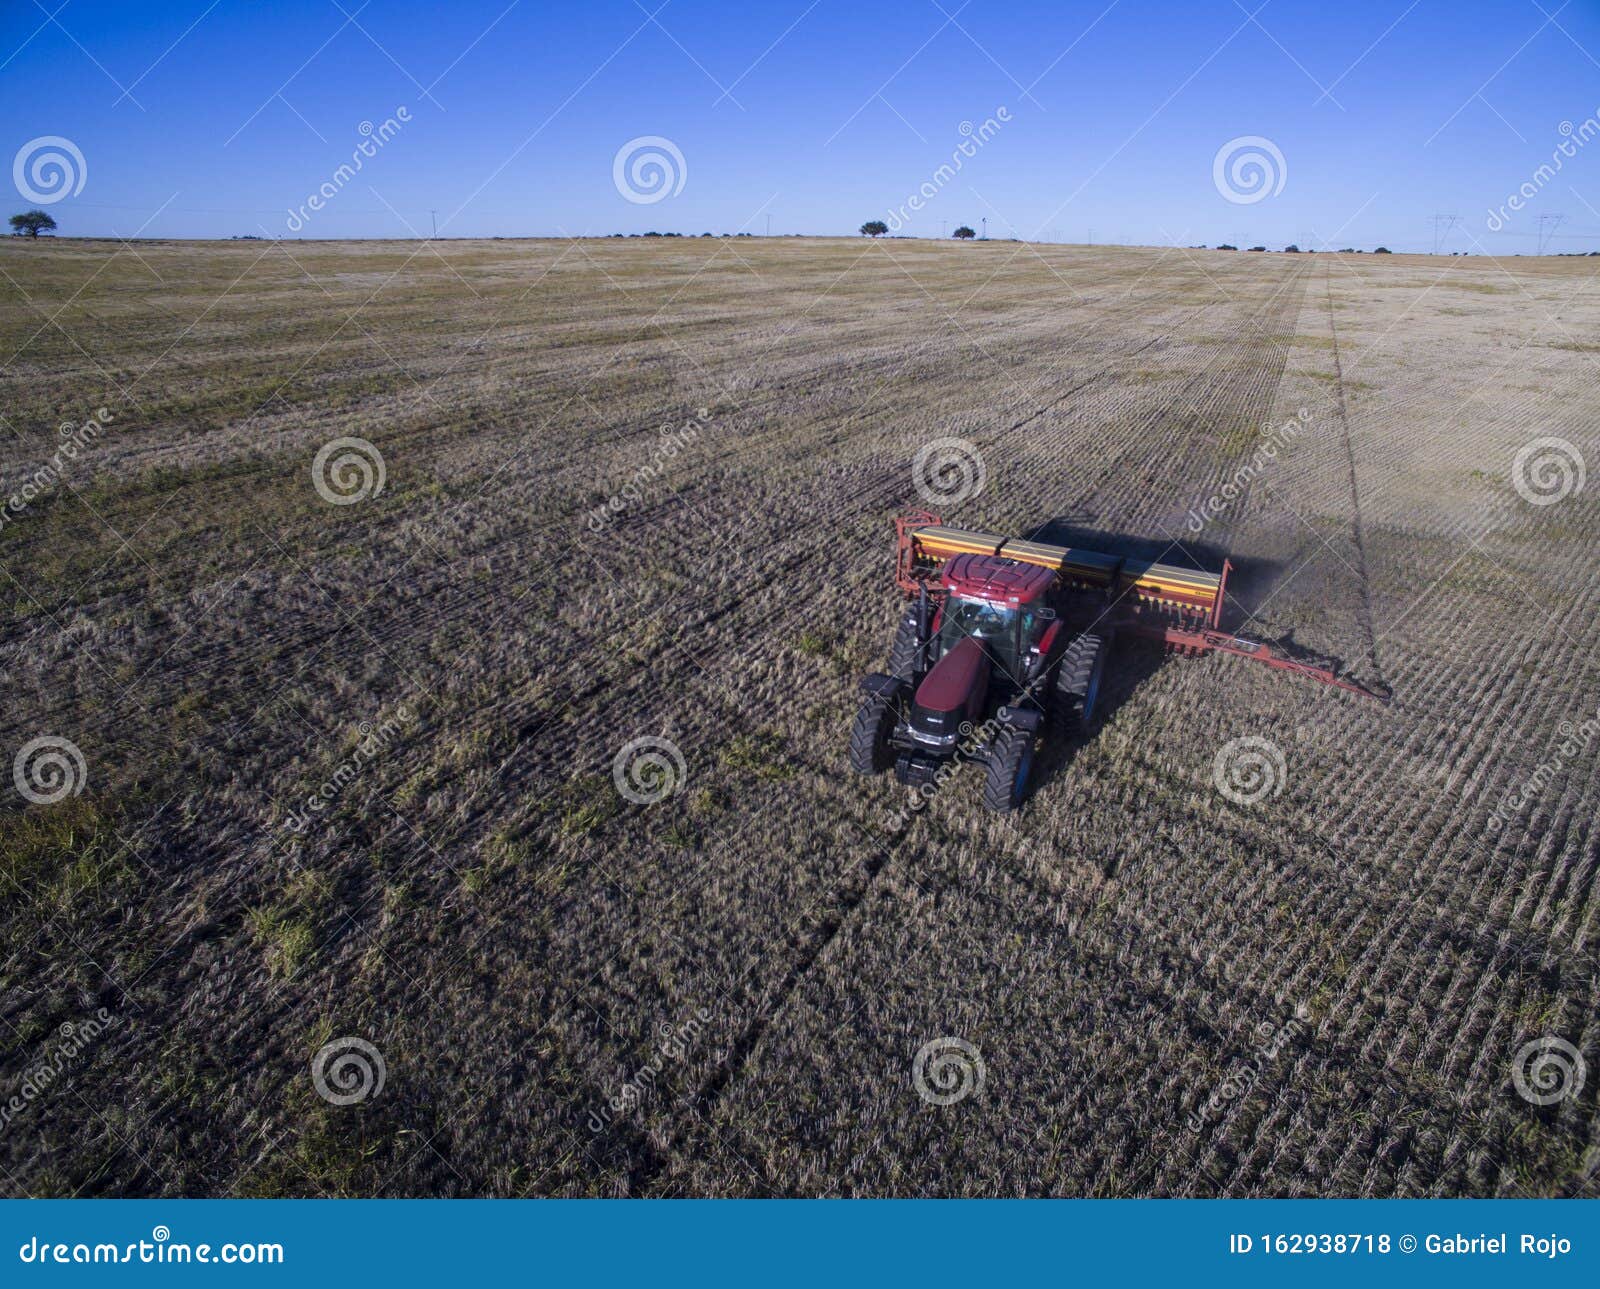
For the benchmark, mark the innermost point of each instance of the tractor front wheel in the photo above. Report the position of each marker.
(870, 752)
(1010, 762)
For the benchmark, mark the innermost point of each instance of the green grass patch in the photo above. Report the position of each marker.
(62, 855)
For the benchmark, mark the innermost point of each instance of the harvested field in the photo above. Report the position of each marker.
(347, 769)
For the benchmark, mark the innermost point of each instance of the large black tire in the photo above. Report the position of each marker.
(903, 656)
(1010, 763)
(870, 752)
(1077, 688)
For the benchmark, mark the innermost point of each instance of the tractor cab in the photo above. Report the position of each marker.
(999, 603)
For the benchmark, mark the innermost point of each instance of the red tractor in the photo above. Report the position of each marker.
(1006, 640)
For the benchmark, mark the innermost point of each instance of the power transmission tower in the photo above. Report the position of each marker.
(1442, 224)
(769, 224)
(434, 215)
(986, 228)
(1550, 223)
(943, 224)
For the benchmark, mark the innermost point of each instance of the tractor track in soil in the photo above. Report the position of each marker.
(1357, 528)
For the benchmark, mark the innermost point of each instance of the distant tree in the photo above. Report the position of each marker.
(874, 228)
(1258, 248)
(31, 223)
(1224, 246)
(963, 233)
(1347, 250)
(1383, 250)
(1291, 249)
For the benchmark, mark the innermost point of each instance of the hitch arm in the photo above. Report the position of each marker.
(1206, 640)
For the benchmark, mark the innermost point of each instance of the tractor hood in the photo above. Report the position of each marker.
(950, 694)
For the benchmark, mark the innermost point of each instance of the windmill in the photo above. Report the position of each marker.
(1547, 229)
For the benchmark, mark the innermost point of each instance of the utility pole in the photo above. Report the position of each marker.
(1442, 224)
(769, 224)
(943, 224)
(434, 215)
(986, 228)
(1550, 222)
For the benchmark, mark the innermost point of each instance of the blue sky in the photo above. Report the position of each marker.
(207, 119)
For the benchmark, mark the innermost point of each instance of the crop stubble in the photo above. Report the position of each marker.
(513, 936)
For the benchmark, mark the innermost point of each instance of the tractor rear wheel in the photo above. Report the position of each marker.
(870, 752)
(903, 656)
(1010, 762)
(1078, 684)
